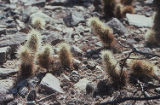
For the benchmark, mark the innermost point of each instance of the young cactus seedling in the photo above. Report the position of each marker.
(38, 22)
(33, 41)
(65, 55)
(45, 56)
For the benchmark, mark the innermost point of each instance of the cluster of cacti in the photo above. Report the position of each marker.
(33, 51)
(113, 70)
(105, 33)
(117, 8)
(138, 69)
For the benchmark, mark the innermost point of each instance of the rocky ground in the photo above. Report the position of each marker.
(67, 21)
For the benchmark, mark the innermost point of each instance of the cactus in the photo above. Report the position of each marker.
(65, 55)
(142, 68)
(33, 41)
(108, 8)
(112, 68)
(26, 61)
(45, 56)
(104, 33)
(38, 22)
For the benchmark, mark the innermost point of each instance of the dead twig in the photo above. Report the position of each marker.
(120, 100)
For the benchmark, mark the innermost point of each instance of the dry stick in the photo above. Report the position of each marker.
(143, 91)
(120, 100)
(36, 102)
(135, 50)
(53, 94)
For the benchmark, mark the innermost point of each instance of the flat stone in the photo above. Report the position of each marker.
(53, 8)
(34, 2)
(148, 2)
(6, 85)
(30, 10)
(51, 83)
(139, 20)
(4, 54)
(58, 2)
(11, 31)
(6, 72)
(117, 26)
(15, 39)
(13, 1)
(73, 19)
(81, 85)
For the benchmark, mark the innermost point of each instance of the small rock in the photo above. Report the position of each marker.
(51, 83)
(117, 26)
(148, 2)
(89, 88)
(6, 72)
(73, 19)
(81, 85)
(31, 95)
(33, 82)
(77, 61)
(157, 90)
(23, 91)
(4, 98)
(139, 20)
(12, 103)
(13, 1)
(77, 51)
(74, 76)
(91, 65)
(3, 31)
(30, 103)
(4, 54)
